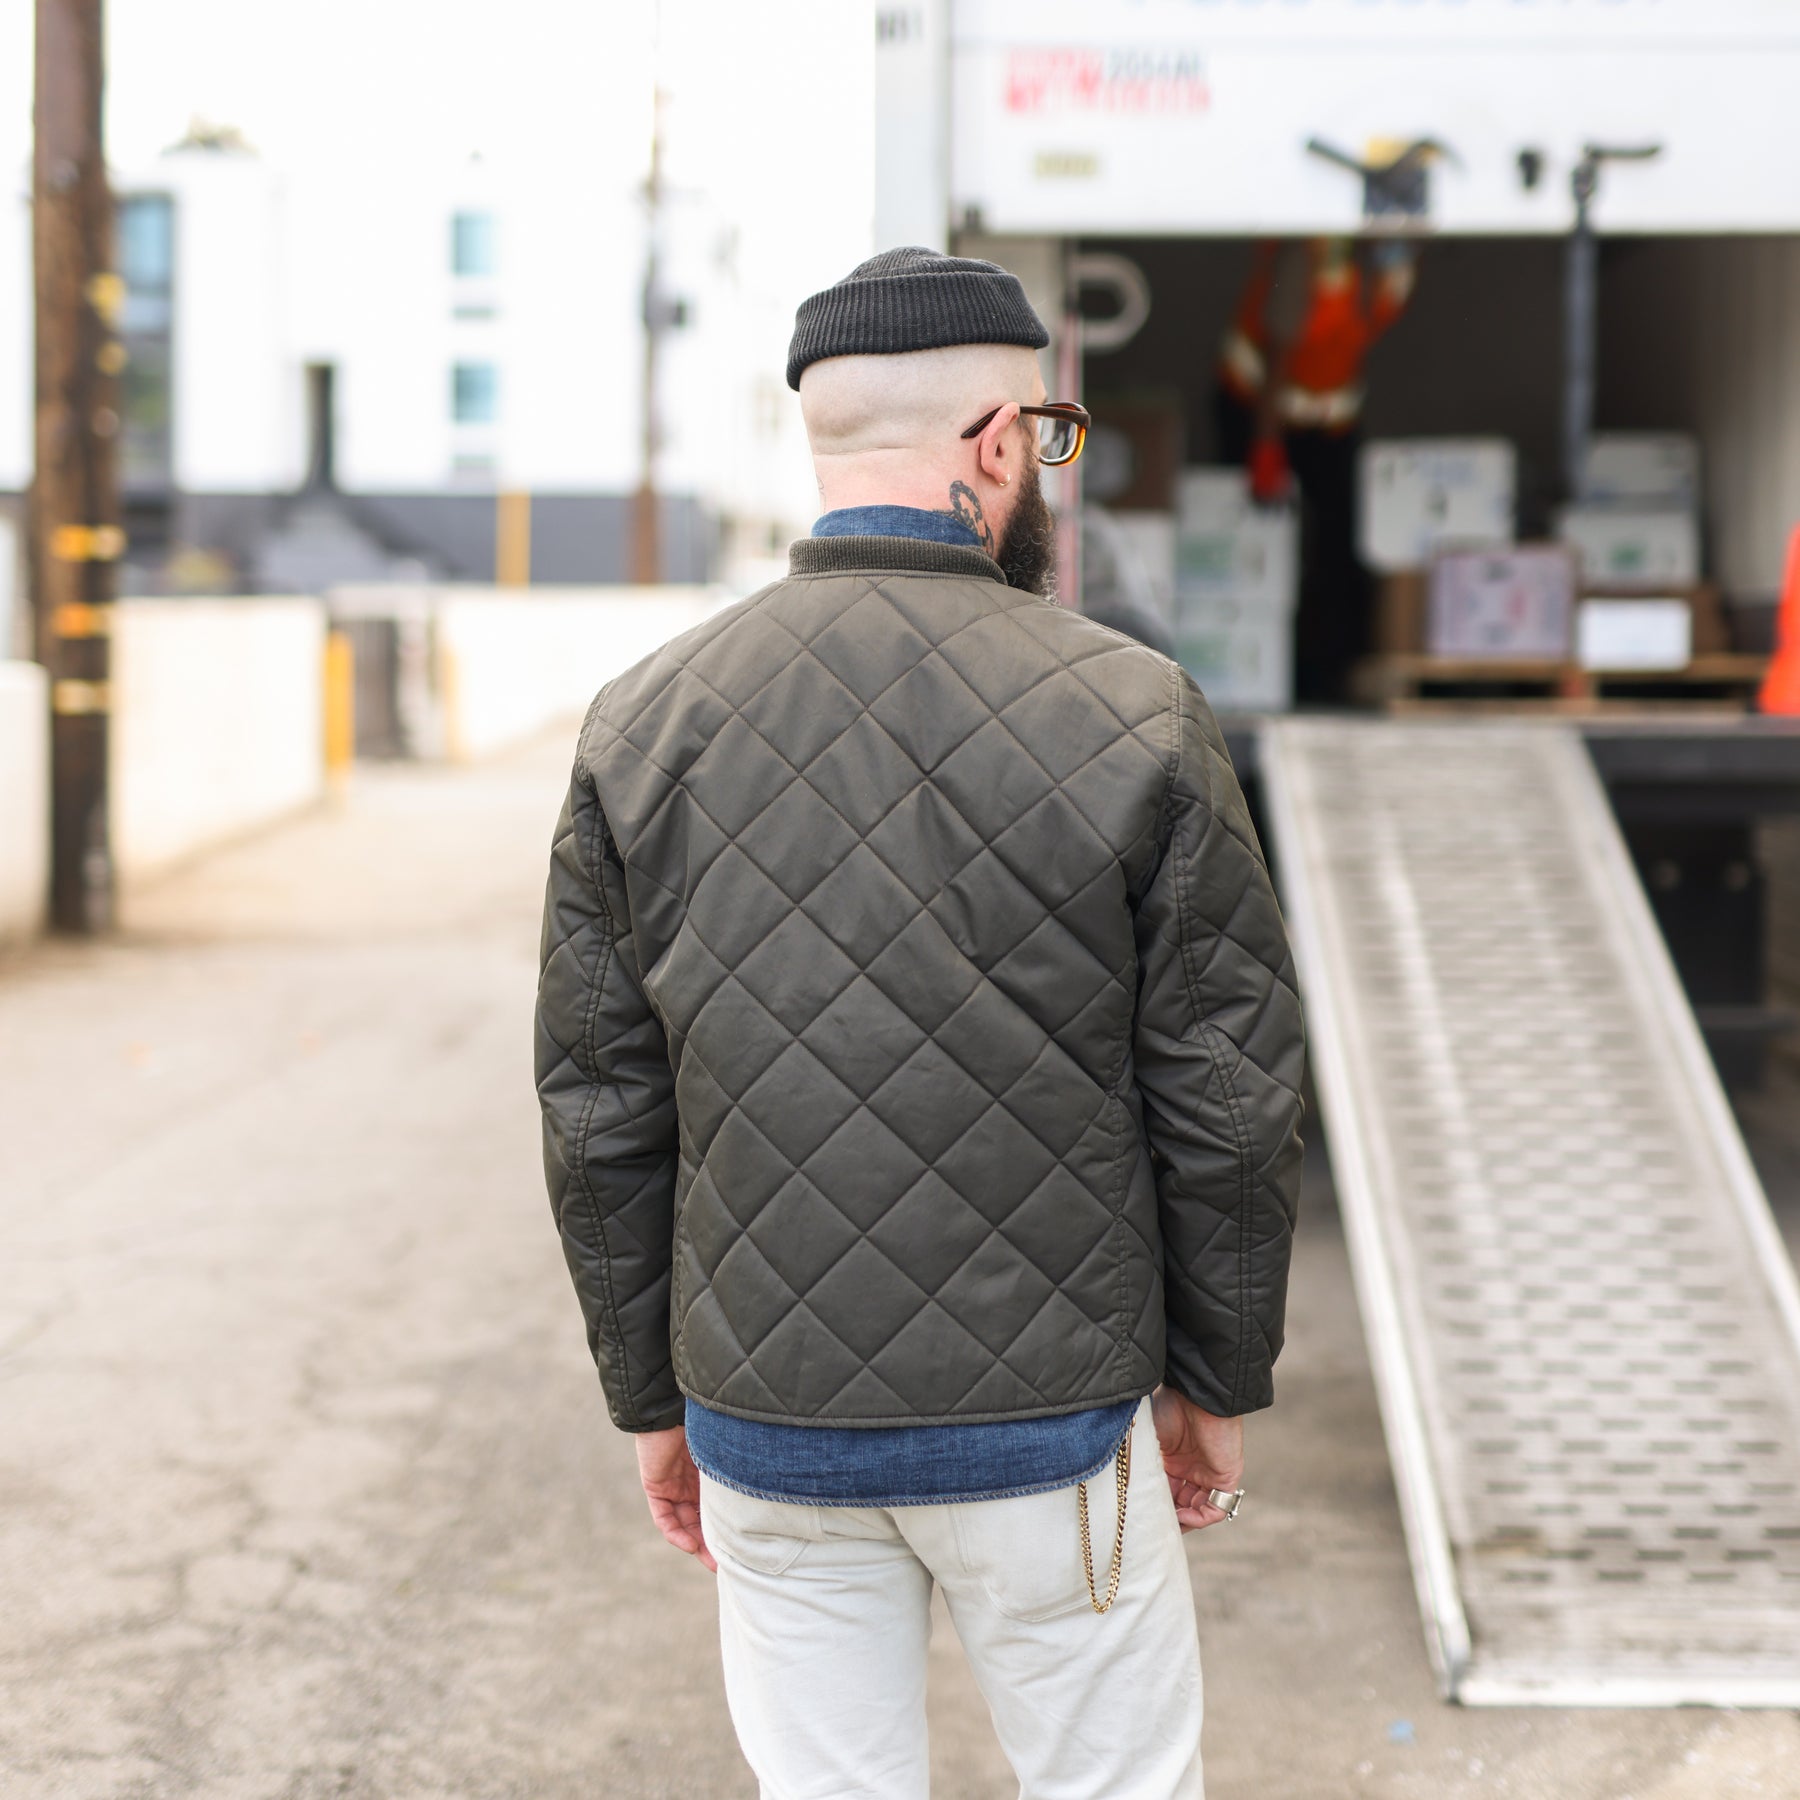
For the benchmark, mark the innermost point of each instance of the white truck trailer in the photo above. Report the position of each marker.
(1585, 1331)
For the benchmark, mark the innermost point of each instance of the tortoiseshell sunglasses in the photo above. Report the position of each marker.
(1061, 433)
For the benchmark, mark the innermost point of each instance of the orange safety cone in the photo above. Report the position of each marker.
(1781, 685)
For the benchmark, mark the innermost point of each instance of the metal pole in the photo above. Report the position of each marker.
(74, 537)
(1580, 306)
(646, 533)
(1578, 330)
(1068, 489)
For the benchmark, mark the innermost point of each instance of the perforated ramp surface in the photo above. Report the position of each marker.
(1584, 1326)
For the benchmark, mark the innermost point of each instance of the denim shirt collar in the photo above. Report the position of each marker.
(896, 521)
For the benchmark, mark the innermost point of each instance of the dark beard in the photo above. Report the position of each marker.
(1027, 553)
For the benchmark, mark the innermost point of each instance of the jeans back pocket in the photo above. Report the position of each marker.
(1026, 1551)
(769, 1536)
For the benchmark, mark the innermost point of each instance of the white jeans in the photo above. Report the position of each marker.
(824, 1612)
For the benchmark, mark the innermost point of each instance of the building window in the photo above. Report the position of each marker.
(474, 393)
(473, 249)
(145, 248)
(146, 251)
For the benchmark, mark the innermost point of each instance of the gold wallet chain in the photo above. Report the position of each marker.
(1122, 1471)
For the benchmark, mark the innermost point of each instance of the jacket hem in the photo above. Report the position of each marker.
(1052, 1486)
(889, 1422)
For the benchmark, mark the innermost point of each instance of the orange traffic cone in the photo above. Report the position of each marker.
(1781, 685)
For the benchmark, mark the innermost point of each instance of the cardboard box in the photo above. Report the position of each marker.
(1712, 628)
(1150, 537)
(1228, 549)
(1657, 470)
(1400, 601)
(1211, 499)
(1416, 495)
(1242, 656)
(1632, 547)
(1634, 634)
(1709, 629)
(1512, 605)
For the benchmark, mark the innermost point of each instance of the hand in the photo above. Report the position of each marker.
(672, 1486)
(1199, 1452)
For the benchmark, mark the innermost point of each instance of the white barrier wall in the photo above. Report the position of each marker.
(511, 663)
(24, 799)
(218, 722)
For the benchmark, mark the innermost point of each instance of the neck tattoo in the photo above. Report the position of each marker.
(965, 507)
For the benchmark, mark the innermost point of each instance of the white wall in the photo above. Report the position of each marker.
(218, 723)
(1716, 352)
(24, 799)
(238, 400)
(1746, 351)
(510, 664)
(16, 376)
(912, 125)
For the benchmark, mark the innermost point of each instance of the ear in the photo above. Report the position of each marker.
(998, 451)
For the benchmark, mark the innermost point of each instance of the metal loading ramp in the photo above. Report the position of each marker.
(1584, 1327)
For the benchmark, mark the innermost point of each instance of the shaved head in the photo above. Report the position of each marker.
(887, 430)
(854, 405)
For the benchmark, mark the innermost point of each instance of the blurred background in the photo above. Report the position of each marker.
(398, 255)
(378, 380)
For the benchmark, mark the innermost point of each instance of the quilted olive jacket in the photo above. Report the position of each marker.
(917, 1038)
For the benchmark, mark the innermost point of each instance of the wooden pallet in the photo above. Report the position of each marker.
(1406, 683)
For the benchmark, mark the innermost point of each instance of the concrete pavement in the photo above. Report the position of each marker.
(305, 1484)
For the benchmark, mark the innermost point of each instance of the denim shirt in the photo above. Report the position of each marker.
(896, 521)
(903, 1465)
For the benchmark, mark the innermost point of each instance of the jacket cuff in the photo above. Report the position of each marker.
(662, 1418)
(1198, 1388)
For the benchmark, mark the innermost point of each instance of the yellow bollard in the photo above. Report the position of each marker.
(512, 539)
(340, 707)
(450, 700)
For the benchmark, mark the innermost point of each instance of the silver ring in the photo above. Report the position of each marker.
(1227, 1500)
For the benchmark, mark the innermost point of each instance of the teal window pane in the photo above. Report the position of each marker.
(474, 393)
(474, 249)
(146, 227)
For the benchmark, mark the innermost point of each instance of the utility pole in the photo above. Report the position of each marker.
(646, 534)
(75, 540)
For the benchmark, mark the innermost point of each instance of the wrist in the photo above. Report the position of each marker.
(1174, 1394)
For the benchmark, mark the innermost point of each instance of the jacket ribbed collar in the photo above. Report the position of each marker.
(849, 555)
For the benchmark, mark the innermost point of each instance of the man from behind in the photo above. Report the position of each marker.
(920, 1062)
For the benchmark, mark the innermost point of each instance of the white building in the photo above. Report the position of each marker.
(400, 347)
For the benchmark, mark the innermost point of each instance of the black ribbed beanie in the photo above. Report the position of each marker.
(913, 299)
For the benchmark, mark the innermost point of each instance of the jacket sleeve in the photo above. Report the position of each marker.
(1219, 1051)
(608, 1099)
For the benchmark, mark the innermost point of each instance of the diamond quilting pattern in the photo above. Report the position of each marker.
(862, 906)
(796, 972)
(867, 1168)
(867, 648)
(797, 840)
(864, 1038)
(851, 871)
(864, 774)
(924, 973)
